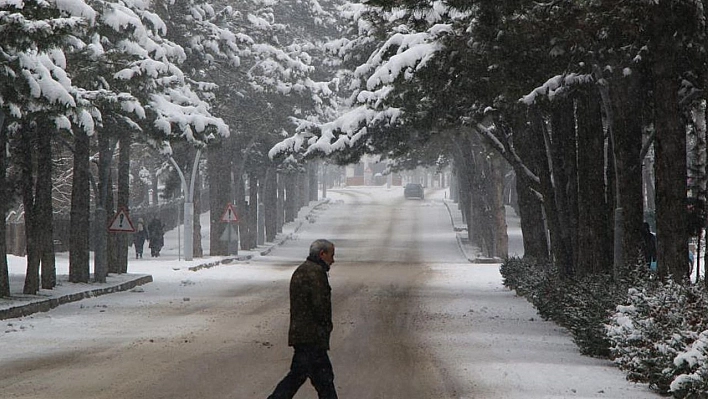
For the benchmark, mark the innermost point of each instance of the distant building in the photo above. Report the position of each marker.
(369, 172)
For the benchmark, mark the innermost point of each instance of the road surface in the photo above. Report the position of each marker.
(399, 331)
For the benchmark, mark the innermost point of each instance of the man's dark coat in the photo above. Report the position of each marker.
(310, 305)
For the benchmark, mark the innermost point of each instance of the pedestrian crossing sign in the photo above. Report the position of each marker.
(230, 215)
(121, 223)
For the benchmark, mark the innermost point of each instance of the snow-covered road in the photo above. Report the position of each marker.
(412, 319)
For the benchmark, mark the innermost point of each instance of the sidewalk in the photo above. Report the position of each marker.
(19, 305)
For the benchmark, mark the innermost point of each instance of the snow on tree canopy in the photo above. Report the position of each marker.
(181, 109)
(415, 57)
(46, 79)
(62, 122)
(353, 123)
(120, 17)
(413, 50)
(555, 86)
(75, 8)
(401, 55)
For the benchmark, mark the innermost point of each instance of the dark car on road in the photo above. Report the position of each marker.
(413, 190)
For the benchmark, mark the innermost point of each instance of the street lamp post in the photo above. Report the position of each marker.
(188, 205)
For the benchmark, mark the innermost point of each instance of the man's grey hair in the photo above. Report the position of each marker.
(321, 245)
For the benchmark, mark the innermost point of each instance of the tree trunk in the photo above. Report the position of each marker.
(533, 226)
(280, 202)
(627, 130)
(123, 201)
(486, 203)
(43, 206)
(594, 212)
(244, 224)
(312, 178)
(154, 199)
(291, 201)
(197, 250)
(253, 211)
(260, 215)
(4, 200)
(303, 194)
(479, 209)
(270, 201)
(697, 153)
(464, 158)
(101, 218)
(325, 179)
(496, 195)
(465, 188)
(79, 262)
(113, 242)
(670, 143)
(670, 146)
(564, 169)
(531, 214)
(25, 159)
(220, 195)
(697, 177)
(562, 254)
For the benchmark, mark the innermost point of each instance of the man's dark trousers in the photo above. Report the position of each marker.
(308, 362)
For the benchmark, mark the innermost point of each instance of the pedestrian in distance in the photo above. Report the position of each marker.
(310, 325)
(649, 246)
(157, 233)
(141, 234)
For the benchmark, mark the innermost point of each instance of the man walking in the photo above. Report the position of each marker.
(310, 325)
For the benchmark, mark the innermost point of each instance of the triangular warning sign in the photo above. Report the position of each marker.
(121, 223)
(229, 215)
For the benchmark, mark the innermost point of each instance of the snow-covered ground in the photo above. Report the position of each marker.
(536, 359)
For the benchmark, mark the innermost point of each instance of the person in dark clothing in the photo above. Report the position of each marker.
(310, 325)
(157, 233)
(649, 245)
(141, 234)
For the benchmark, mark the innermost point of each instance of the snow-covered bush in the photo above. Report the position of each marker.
(693, 380)
(656, 332)
(658, 337)
(521, 275)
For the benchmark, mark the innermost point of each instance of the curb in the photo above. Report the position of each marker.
(280, 242)
(452, 221)
(277, 243)
(51, 303)
(457, 236)
(460, 239)
(224, 261)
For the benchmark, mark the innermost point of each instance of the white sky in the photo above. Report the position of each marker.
(535, 359)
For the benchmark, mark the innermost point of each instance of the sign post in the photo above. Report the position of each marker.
(230, 216)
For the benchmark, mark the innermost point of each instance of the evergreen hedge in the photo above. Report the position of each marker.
(657, 333)
(659, 336)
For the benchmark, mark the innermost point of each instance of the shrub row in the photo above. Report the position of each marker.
(659, 336)
(657, 333)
